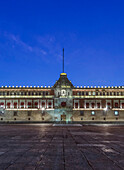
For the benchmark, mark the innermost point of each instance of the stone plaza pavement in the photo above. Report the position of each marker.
(39, 146)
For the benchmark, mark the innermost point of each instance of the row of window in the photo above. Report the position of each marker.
(93, 113)
(98, 105)
(44, 93)
(100, 93)
(28, 105)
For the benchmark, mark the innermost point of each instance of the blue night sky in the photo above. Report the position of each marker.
(34, 32)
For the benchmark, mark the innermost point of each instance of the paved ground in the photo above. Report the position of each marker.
(52, 147)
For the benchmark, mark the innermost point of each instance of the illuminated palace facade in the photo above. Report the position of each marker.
(61, 102)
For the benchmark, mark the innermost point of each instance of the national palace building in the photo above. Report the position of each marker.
(61, 102)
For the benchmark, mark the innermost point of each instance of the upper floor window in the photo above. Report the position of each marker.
(87, 105)
(122, 105)
(108, 105)
(93, 92)
(98, 105)
(92, 105)
(116, 105)
(76, 105)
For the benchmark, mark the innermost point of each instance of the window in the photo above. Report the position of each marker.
(116, 105)
(15, 104)
(98, 105)
(103, 93)
(92, 105)
(83, 93)
(1, 104)
(117, 93)
(107, 93)
(29, 113)
(94, 93)
(76, 105)
(81, 113)
(81, 118)
(89, 93)
(86, 93)
(116, 113)
(8, 105)
(43, 104)
(29, 104)
(68, 94)
(110, 93)
(123, 105)
(22, 104)
(87, 105)
(36, 104)
(93, 113)
(15, 114)
(114, 93)
(108, 105)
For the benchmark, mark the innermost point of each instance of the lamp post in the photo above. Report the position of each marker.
(105, 111)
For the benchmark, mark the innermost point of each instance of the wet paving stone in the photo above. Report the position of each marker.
(48, 147)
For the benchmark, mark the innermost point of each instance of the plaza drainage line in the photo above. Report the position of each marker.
(39, 162)
(104, 153)
(81, 151)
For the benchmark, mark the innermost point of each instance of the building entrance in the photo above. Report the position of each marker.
(63, 118)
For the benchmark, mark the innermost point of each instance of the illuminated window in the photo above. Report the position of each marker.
(89, 93)
(93, 113)
(123, 105)
(116, 113)
(94, 93)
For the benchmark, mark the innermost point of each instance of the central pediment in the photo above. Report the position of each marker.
(63, 82)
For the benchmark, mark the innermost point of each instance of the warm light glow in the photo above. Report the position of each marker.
(105, 109)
